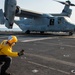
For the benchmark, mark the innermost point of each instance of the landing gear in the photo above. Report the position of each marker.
(70, 33)
(42, 32)
(11, 26)
(27, 32)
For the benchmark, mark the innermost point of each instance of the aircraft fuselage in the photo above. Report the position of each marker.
(53, 24)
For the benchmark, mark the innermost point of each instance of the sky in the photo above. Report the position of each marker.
(42, 6)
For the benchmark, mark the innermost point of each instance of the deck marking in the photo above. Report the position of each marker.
(49, 67)
(56, 44)
(38, 39)
(52, 59)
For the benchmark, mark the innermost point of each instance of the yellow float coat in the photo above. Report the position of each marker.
(7, 50)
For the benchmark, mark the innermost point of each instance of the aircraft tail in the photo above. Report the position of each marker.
(67, 11)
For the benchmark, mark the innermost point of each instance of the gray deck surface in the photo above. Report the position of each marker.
(44, 54)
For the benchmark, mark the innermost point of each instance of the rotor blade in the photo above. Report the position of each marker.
(66, 3)
(60, 2)
(72, 4)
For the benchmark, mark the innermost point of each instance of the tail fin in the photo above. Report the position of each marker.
(67, 10)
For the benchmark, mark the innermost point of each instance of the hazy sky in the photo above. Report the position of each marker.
(44, 6)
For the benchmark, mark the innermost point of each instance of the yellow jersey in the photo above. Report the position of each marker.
(7, 50)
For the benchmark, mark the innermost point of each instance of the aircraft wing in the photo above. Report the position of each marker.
(28, 14)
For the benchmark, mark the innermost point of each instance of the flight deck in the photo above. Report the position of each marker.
(47, 54)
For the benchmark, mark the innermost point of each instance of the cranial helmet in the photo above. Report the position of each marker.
(12, 39)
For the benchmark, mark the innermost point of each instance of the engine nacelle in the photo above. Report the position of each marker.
(2, 19)
(10, 9)
(9, 12)
(18, 10)
(8, 25)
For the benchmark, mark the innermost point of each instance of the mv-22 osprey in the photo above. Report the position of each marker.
(38, 22)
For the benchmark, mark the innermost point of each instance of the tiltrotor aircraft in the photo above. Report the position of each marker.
(38, 22)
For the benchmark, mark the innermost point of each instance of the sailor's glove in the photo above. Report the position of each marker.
(21, 53)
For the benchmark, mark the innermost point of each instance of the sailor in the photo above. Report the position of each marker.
(6, 53)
